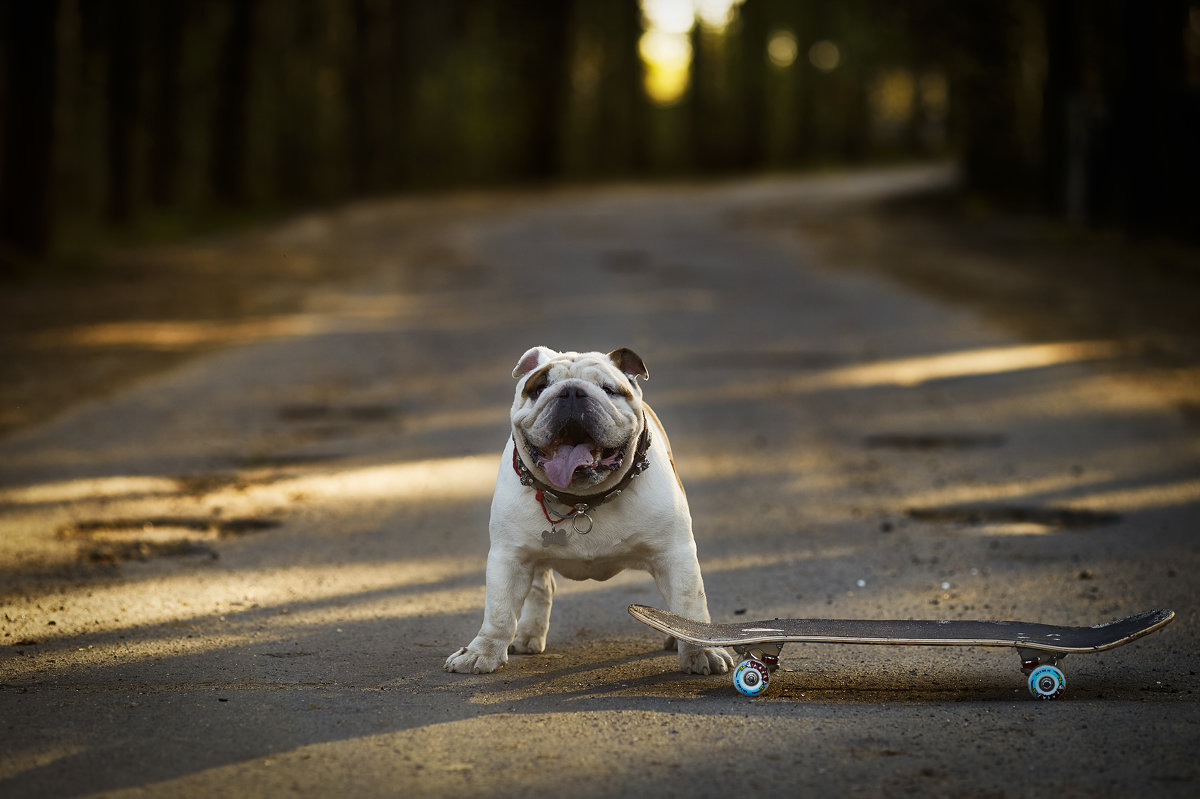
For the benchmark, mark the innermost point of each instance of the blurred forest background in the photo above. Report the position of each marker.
(159, 117)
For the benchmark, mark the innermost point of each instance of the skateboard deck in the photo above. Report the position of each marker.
(1041, 646)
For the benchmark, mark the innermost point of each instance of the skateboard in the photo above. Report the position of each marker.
(1042, 647)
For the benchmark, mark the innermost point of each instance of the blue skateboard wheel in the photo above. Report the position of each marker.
(1047, 682)
(751, 677)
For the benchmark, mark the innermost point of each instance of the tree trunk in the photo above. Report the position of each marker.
(124, 108)
(165, 145)
(28, 43)
(230, 135)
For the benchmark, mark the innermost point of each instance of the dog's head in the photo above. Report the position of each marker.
(577, 417)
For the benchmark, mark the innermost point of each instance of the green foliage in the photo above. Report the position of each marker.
(198, 109)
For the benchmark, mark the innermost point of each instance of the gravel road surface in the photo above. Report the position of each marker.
(241, 576)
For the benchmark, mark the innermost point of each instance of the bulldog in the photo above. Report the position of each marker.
(587, 488)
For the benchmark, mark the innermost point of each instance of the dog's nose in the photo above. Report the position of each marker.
(570, 392)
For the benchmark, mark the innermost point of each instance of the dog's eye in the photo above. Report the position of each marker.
(536, 391)
(609, 390)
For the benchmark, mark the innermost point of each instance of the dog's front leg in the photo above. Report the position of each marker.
(508, 583)
(677, 575)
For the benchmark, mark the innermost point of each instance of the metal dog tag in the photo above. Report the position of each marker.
(554, 537)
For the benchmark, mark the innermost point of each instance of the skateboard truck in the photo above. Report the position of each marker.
(1046, 679)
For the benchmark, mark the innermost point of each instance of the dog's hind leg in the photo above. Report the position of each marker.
(535, 615)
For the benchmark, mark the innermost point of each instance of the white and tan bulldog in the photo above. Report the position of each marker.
(587, 488)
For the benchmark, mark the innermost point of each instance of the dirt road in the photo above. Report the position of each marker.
(242, 575)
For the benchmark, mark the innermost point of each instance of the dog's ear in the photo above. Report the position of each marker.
(532, 360)
(630, 363)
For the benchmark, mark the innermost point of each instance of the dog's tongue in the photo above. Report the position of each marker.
(561, 468)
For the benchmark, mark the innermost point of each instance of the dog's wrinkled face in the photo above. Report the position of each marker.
(577, 416)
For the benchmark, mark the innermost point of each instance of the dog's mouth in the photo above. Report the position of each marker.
(573, 452)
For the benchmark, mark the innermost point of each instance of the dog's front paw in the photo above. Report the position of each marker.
(481, 656)
(704, 660)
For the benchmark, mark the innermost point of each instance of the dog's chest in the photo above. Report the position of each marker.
(593, 556)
